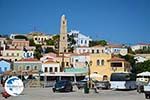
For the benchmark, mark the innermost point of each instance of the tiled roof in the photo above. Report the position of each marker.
(98, 46)
(29, 59)
(114, 45)
(116, 59)
(13, 49)
(49, 62)
(81, 54)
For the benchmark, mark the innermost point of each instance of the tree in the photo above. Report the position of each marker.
(145, 50)
(21, 37)
(130, 50)
(50, 42)
(38, 52)
(142, 67)
(98, 42)
(72, 42)
(31, 42)
(56, 41)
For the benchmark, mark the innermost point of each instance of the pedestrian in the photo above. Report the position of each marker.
(95, 88)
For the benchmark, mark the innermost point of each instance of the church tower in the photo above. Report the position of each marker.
(63, 44)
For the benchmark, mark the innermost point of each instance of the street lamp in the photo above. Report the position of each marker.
(39, 72)
(89, 72)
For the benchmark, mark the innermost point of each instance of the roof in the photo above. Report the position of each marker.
(13, 49)
(2, 38)
(47, 62)
(81, 54)
(116, 59)
(98, 46)
(1, 59)
(29, 59)
(114, 45)
(143, 44)
(83, 47)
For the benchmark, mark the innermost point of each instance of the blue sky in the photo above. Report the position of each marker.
(117, 21)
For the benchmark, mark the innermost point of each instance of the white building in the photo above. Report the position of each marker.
(78, 60)
(81, 40)
(139, 46)
(116, 49)
(141, 57)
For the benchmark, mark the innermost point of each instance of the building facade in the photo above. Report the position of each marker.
(104, 64)
(20, 43)
(50, 67)
(4, 66)
(12, 54)
(28, 65)
(81, 40)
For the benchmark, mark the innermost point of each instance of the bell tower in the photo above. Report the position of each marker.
(63, 40)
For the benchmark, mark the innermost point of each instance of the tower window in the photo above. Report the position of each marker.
(63, 22)
(63, 37)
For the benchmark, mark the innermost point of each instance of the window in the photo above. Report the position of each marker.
(98, 62)
(85, 41)
(116, 64)
(77, 60)
(81, 41)
(63, 38)
(45, 70)
(67, 63)
(92, 51)
(28, 67)
(50, 69)
(65, 50)
(102, 62)
(63, 22)
(12, 54)
(5, 68)
(55, 69)
(0, 69)
(15, 59)
(35, 67)
(97, 51)
(7, 54)
(17, 54)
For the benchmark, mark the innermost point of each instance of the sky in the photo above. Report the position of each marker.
(117, 21)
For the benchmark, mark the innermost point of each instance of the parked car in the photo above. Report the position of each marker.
(81, 84)
(102, 84)
(63, 85)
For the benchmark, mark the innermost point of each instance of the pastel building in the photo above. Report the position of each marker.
(94, 49)
(4, 66)
(104, 64)
(20, 43)
(28, 65)
(12, 54)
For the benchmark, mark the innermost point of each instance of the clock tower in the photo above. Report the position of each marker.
(63, 40)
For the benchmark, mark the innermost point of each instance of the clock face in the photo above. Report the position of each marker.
(123, 52)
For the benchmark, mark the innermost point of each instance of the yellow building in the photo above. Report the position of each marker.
(104, 64)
